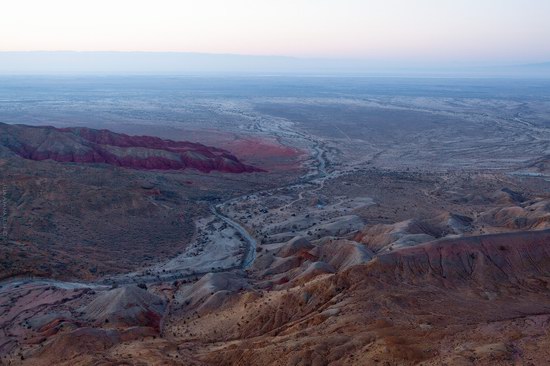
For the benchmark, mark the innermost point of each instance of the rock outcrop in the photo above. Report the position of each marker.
(85, 145)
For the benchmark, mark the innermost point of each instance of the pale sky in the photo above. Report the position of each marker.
(479, 31)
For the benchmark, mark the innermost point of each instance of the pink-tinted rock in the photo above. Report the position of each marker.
(84, 145)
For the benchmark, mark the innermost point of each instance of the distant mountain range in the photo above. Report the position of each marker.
(180, 63)
(543, 65)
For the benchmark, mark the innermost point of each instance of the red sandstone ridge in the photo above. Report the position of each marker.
(84, 145)
(266, 152)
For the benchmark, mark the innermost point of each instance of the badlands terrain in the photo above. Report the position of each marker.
(274, 221)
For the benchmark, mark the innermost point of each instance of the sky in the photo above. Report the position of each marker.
(403, 32)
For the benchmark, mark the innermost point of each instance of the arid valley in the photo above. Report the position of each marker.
(274, 221)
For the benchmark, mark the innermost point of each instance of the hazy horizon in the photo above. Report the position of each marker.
(301, 36)
(187, 63)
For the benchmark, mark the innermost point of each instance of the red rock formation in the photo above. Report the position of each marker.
(84, 145)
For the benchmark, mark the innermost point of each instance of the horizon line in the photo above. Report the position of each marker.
(463, 63)
(182, 63)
